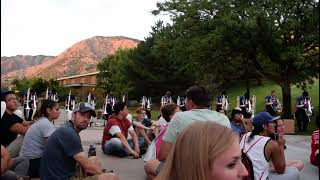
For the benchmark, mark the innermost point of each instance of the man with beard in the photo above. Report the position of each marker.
(64, 158)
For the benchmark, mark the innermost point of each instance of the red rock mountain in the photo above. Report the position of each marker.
(81, 58)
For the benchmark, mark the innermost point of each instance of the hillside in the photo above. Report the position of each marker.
(13, 63)
(80, 58)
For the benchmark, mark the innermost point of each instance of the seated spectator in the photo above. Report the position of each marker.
(279, 129)
(114, 140)
(167, 111)
(237, 122)
(64, 158)
(197, 104)
(261, 150)
(204, 150)
(37, 136)
(314, 156)
(145, 126)
(12, 169)
(12, 125)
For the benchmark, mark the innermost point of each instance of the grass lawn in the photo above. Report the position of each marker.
(260, 92)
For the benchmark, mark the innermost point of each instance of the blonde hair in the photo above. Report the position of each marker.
(196, 147)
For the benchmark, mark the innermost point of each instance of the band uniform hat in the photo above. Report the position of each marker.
(4, 93)
(263, 118)
(84, 107)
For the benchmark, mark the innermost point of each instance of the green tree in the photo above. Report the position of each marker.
(111, 77)
(276, 39)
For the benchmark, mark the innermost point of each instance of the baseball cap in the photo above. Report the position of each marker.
(84, 107)
(263, 118)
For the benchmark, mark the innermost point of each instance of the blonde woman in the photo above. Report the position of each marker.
(204, 151)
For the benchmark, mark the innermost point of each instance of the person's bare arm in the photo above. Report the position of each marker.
(27, 123)
(140, 125)
(277, 155)
(5, 159)
(18, 128)
(164, 150)
(244, 125)
(135, 141)
(87, 165)
(126, 144)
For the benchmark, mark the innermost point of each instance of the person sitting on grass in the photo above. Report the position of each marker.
(64, 158)
(37, 136)
(115, 133)
(151, 166)
(204, 150)
(237, 122)
(145, 126)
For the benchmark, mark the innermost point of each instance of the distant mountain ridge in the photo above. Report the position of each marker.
(18, 62)
(80, 58)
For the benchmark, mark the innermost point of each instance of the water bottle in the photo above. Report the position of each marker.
(92, 151)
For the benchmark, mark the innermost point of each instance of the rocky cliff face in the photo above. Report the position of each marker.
(81, 58)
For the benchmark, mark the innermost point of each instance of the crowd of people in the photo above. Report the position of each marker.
(187, 131)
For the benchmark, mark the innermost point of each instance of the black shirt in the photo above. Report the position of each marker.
(6, 122)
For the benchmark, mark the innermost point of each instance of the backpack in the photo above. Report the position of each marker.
(246, 161)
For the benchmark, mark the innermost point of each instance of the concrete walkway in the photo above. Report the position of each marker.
(298, 148)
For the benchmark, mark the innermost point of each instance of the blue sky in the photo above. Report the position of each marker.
(48, 27)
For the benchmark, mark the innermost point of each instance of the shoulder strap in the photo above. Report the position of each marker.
(252, 145)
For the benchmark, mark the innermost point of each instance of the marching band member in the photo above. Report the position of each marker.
(303, 110)
(271, 103)
(220, 100)
(53, 95)
(244, 100)
(29, 104)
(146, 104)
(166, 98)
(181, 103)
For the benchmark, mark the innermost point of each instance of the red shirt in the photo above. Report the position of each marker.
(314, 147)
(123, 124)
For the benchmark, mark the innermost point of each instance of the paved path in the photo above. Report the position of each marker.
(298, 147)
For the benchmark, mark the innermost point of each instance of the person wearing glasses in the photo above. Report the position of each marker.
(12, 127)
(145, 126)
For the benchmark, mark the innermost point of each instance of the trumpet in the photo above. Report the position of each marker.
(105, 105)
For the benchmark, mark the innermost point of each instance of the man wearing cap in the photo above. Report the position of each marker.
(64, 158)
(237, 122)
(261, 150)
(11, 125)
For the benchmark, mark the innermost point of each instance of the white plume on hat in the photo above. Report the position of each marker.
(3, 108)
